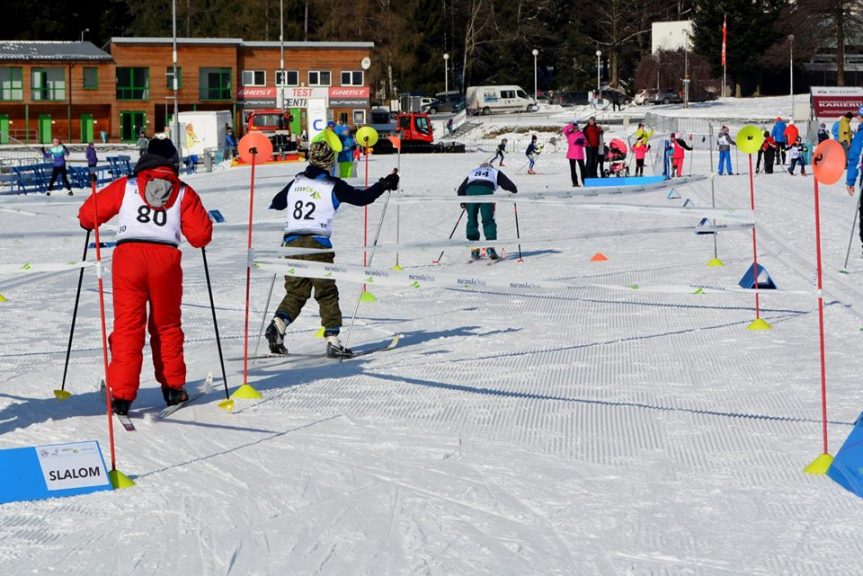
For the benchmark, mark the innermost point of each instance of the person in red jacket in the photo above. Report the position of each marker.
(154, 208)
(591, 136)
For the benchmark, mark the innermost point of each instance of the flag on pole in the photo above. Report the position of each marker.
(724, 36)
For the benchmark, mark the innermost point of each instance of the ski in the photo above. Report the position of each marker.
(205, 388)
(126, 422)
(291, 356)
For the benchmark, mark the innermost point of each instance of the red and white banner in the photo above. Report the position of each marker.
(256, 93)
(724, 37)
(835, 101)
(349, 96)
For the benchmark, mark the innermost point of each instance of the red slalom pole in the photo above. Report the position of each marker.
(821, 319)
(118, 479)
(759, 323)
(251, 145)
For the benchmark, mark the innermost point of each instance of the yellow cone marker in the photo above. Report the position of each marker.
(226, 405)
(246, 392)
(2, 298)
(759, 324)
(120, 481)
(397, 268)
(62, 395)
(820, 465)
(715, 262)
(367, 296)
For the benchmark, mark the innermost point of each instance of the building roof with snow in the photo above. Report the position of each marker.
(50, 50)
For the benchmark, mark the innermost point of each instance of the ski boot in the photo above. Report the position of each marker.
(275, 335)
(492, 253)
(474, 254)
(120, 406)
(174, 396)
(335, 348)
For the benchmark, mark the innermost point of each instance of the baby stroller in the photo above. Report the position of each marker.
(616, 156)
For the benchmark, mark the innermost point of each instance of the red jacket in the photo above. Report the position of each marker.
(591, 134)
(195, 221)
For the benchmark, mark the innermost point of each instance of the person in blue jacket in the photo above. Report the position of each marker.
(57, 154)
(778, 134)
(854, 153)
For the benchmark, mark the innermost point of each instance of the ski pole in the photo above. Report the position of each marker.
(227, 403)
(463, 210)
(851, 236)
(61, 394)
(264, 316)
(371, 257)
(517, 234)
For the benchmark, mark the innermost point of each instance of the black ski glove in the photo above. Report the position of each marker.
(391, 182)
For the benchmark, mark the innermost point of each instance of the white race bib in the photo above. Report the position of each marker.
(138, 221)
(310, 207)
(484, 173)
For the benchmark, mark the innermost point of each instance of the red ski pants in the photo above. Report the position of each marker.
(146, 274)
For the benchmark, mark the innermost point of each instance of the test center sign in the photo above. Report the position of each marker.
(835, 101)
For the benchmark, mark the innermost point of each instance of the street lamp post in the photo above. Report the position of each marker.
(598, 67)
(535, 54)
(791, 67)
(175, 124)
(446, 72)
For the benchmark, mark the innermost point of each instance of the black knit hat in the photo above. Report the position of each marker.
(160, 152)
(321, 155)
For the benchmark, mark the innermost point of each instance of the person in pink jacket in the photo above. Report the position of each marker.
(639, 149)
(575, 150)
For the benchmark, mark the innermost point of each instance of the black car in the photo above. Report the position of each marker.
(568, 98)
(451, 101)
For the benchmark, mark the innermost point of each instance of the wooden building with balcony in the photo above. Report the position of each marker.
(75, 91)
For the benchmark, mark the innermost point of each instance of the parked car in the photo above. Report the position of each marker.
(568, 98)
(667, 97)
(451, 101)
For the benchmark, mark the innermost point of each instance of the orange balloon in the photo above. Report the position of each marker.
(828, 161)
(263, 148)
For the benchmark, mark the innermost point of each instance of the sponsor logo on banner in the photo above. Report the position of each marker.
(349, 96)
(835, 101)
(256, 93)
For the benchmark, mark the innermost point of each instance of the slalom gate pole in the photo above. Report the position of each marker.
(398, 208)
(851, 236)
(246, 391)
(517, 234)
(227, 404)
(754, 240)
(691, 155)
(264, 316)
(713, 193)
(115, 475)
(366, 210)
(61, 394)
(821, 321)
(454, 228)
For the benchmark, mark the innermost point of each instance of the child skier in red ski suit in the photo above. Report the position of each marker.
(154, 208)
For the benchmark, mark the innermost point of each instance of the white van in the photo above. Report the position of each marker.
(490, 99)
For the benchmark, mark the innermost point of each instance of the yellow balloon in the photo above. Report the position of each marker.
(749, 139)
(367, 136)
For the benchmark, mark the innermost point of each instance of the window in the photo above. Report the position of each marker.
(133, 83)
(507, 93)
(319, 78)
(49, 84)
(352, 78)
(254, 78)
(215, 83)
(11, 84)
(91, 78)
(291, 78)
(169, 74)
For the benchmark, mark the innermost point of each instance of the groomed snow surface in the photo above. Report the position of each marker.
(577, 431)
